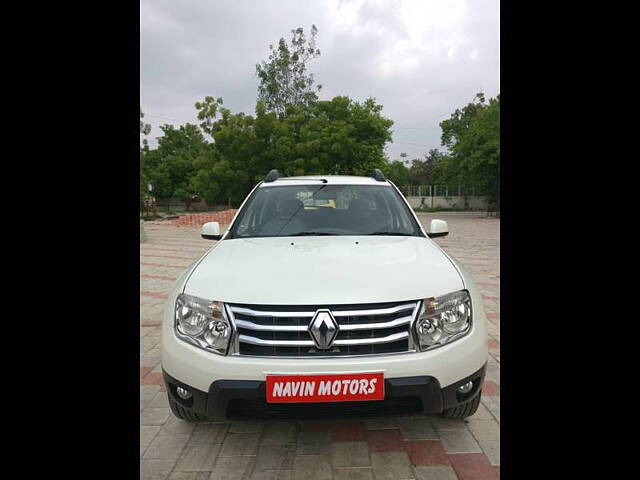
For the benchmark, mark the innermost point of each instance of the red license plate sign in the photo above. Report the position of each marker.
(344, 387)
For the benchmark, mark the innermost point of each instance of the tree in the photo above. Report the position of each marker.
(145, 129)
(397, 172)
(291, 130)
(459, 122)
(473, 136)
(170, 167)
(225, 175)
(338, 136)
(284, 80)
(207, 112)
(423, 172)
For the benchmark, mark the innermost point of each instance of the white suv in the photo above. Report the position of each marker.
(324, 289)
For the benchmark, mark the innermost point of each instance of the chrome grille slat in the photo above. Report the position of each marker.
(282, 331)
(303, 328)
(311, 313)
(309, 343)
(271, 328)
(260, 313)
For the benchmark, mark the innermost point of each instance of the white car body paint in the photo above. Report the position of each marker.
(336, 270)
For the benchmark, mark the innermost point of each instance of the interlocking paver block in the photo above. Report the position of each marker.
(427, 452)
(166, 447)
(417, 428)
(240, 444)
(482, 413)
(348, 432)
(175, 426)
(353, 474)
(473, 466)
(275, 457)
(491, 451)
(381, 423)
(272, 475)
(159, 401)
(279, 433)
(435, 472)
(490, 388)
(147, 394)
(312, 467)
(391, 466)
(147, 432)
(246, 427)
(189, 475)
(459, 441)
(198, 458)
(208, 433)
(232, 468)
(350, 454)
(386, 441)
(313, 443)
(155, 469)
(493, 405)
(488, 430)
(154, 416)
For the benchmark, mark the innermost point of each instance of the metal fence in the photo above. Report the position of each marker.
(441, 191)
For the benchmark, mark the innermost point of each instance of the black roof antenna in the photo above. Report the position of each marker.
(378, 175)
(272, 175)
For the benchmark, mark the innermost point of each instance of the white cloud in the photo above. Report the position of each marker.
(421, 59)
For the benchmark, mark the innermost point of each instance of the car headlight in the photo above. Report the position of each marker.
(443, 319)
(202, 323)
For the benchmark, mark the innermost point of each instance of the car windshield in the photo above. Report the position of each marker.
(301, 210)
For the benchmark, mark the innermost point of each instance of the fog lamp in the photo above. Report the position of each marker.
(183, 393)
(466, 388)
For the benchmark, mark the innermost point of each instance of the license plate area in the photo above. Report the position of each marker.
(342, 387)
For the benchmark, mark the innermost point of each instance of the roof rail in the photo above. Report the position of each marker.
(272, 175)
(378, 175)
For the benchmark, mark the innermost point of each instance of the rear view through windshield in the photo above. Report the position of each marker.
(299, 210)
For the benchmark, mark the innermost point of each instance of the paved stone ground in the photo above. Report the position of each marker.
(395, 448)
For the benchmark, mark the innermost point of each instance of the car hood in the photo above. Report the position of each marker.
(324, 270)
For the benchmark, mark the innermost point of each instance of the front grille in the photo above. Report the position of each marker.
(282, 331)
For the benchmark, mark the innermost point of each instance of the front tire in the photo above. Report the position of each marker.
(465, 409)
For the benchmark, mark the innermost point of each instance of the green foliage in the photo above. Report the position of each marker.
(145, 128)
(170, 167)
(425, 172)
(284, 80)
(472, 134)
(338, 136)
(397, 172)
(291, 130)
(207, 112)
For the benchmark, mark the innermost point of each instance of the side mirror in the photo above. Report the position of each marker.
(439, 228)
(211, 231)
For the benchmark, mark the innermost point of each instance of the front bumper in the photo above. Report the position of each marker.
(200, 369)
(233, 398)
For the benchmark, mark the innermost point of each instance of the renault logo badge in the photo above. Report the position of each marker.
(323, 329)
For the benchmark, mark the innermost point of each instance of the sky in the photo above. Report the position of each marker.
(420, 59)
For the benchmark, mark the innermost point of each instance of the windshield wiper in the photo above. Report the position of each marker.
(392, 233)
(302, 234)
